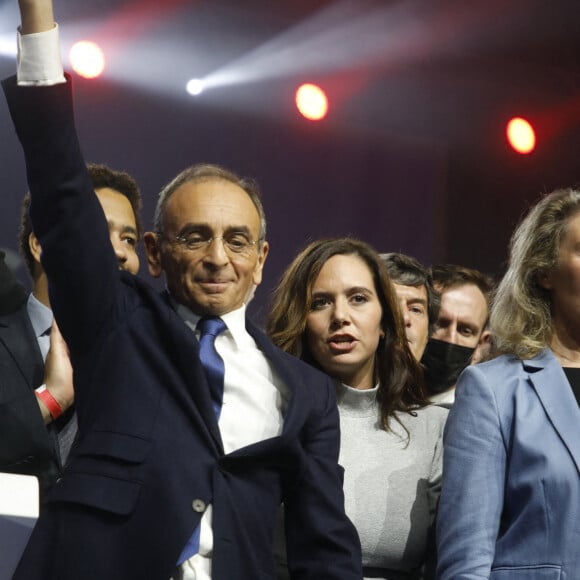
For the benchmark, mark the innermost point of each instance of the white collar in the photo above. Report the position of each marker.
(40, 315)
(235, 321)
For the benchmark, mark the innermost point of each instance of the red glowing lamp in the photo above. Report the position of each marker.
(521, 135)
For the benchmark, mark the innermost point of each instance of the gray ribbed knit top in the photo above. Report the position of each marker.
(391, 484)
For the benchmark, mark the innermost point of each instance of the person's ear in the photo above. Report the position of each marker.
(151, 242)
(34, 246)
(483, 347)
(262, 255)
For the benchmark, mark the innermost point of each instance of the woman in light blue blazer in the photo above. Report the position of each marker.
(510, 503)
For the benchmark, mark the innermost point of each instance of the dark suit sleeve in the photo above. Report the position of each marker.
(321, 541)
(66, 215)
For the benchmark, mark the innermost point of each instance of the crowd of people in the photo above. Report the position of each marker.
(393, 421)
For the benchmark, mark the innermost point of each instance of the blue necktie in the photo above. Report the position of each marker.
(213, 365)
(44, 342)
(211, 361)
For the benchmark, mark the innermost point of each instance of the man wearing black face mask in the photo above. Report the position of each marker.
(460, 336)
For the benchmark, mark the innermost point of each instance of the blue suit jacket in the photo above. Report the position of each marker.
(510, 503)
(149, 447)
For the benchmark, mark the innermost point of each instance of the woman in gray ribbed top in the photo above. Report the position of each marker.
(335, 307)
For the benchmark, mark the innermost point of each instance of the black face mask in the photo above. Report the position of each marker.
(443, 363)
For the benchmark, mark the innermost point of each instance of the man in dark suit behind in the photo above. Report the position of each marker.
(29, 438)
(32, 440)
(153, 465)
(25, 444)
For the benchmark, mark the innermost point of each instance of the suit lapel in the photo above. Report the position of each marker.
(17, 337)
(186, 350)
(297, 407)
(553, 390)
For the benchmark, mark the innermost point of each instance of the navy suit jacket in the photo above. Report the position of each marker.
(510, 503)
(12, 293)
(149, 451)
(25, 444)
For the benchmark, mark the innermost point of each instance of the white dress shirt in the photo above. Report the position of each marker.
(254, 403)
(41, 320)
(38, 61)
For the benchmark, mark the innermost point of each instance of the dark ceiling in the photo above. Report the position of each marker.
(436, 76)
(434, 69)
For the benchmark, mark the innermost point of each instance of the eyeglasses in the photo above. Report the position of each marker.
(234, 243)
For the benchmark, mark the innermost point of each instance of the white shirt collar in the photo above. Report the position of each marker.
(444, 399)
(40, 316)
(235, 321)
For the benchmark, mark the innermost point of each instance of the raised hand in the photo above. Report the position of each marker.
(58, 374)
(36, 16)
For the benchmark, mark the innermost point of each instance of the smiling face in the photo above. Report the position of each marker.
(343, 327)
(210, 280)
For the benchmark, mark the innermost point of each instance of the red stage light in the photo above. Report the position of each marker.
(87, 59)
(521, 135)
(312, 102)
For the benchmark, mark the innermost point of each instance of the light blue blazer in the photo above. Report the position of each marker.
(510, 502)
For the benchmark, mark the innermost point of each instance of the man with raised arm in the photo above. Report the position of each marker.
(193, 427)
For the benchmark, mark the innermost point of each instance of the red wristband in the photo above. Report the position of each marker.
(51, 403)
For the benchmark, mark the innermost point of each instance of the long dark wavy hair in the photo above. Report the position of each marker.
(399, 375)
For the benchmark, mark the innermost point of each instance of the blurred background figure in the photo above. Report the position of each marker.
(336, 308)
(510, 505)
(417, 298)
(460, 336)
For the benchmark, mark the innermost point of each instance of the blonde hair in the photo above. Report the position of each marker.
(521, 315)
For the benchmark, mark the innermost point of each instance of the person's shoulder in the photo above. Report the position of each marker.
(433, 412)
(15, 317)
(433, 417)
(307, 374)
(135, 283)
(303, 368)
(18, 342)
(498, 367)
(12, 293)
(138, 295)
(500, 361)
(500, 377)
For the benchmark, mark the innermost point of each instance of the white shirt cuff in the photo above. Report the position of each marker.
(38, 61)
